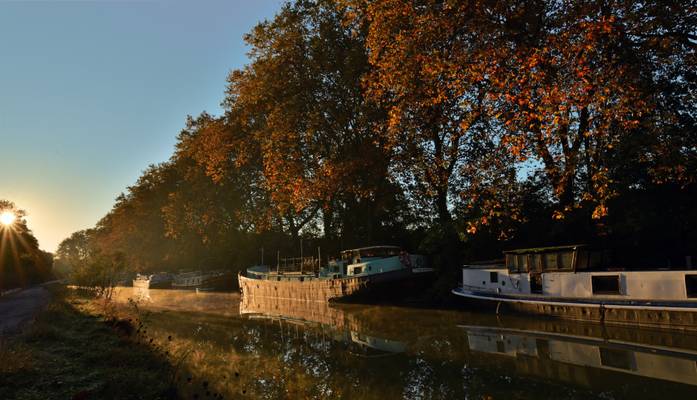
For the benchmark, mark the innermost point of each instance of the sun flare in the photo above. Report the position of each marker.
(7, 218)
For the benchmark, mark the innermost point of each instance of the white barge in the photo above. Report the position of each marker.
(569, 282)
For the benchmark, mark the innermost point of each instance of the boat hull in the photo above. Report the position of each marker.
(216, 283)
(672, 315)
(385, 286)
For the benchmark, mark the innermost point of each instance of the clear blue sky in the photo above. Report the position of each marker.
(92, 92)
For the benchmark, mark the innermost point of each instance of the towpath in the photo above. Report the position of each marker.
(19, 308)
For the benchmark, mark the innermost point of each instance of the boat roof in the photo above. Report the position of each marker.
(549, 249)
(371, 248)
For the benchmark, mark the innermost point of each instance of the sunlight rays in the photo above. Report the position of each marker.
(7, 218)
(10, 239)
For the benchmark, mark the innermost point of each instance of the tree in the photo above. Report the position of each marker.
(21, 261)
(74, 252)
(135, 228)
(298, 118)
(561, 85)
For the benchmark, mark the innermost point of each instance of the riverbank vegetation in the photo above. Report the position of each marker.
(75, 351)
(456, 129)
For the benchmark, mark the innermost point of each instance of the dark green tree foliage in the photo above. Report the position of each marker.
(22, 263)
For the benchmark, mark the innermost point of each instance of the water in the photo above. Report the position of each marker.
(272, 349)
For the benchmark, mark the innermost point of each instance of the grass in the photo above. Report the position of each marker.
(69, 353)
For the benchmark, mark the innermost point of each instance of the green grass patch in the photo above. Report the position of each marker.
(68, 353)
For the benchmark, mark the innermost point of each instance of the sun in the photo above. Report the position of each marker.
(7, 218)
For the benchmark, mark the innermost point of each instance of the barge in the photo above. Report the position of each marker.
(153, 281)
(367, 273)
(204, 281)
(570, 282)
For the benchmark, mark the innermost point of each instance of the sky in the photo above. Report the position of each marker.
(92, 92)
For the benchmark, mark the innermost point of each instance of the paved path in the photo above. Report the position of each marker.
(18, 308)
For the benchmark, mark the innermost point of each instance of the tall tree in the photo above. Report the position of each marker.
(21, 261)
(298, 114)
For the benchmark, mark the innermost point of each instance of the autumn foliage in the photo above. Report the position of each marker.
(475, 123)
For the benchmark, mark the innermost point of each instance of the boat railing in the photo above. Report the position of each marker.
(298, 264)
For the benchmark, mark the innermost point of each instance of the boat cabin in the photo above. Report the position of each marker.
(355, 256)
(369, 260)
(570, 258)
(355, 262)
(576, 271)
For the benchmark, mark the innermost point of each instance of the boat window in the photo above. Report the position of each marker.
(550, 261)
(565, 260)
(510, 262)
(522, 262)
(535, 263)
(691, 285)
(493, 277)
(608, 284)
(515, 263)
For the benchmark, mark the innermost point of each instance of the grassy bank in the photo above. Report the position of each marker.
(70, 352)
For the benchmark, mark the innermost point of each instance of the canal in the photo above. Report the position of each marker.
(270, 350)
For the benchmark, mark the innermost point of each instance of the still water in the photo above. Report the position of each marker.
(277, 350)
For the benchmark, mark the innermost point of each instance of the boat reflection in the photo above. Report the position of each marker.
(340, 324)
(179, 300)
(578, 359)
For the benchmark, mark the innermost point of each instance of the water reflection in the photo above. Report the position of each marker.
(344, 326)
(290, 349)
(180, 300)
(554, 355)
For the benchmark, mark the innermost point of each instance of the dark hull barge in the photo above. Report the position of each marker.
(204, 281)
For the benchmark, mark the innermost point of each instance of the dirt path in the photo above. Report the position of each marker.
(19, 308)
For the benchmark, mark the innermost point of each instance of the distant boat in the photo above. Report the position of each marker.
(377, 272)
(204, 281)
(570, 282)
(154, 281)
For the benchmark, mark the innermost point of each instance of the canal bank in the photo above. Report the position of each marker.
(72, 353)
